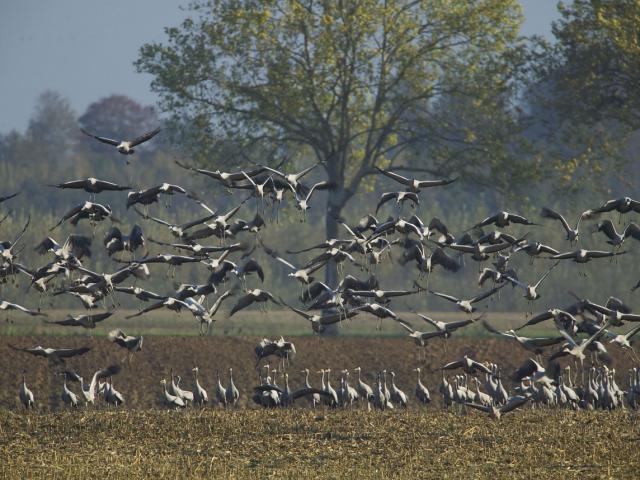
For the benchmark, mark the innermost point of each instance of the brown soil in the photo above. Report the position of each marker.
(139, 380)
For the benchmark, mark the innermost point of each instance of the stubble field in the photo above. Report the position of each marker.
(143, 439)
(307, 444)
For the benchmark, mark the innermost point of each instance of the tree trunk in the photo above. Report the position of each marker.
(335, 203)
(331, 228)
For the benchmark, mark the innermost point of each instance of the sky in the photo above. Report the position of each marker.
(85, 49)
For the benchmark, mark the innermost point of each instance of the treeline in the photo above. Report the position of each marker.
(56, 151)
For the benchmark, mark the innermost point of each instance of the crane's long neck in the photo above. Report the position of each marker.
(306, 379)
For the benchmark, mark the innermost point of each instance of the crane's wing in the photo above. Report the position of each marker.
(607, 227)
(104, 185)
(71, 352)
(324, 185)
(45, 245)
(430, 321)
(602, 254)
(494, 330)
(514, 402)
(548, 249)
(439, 257)
(537, 319)
(632, 230)
(20, 308)
(37, 351)
(296, 310)
(451, 298)
(546, 274)
(406, 325)
(395, 176)
(519, 219)
(435, 183)
(74, 211)
(481, 367)
(145, 137)
(526, 370)
(67, 322)
(548, 213)
(572, 343)
(242, 302)
(607, 206)
(564, 255)
(486, 221)
(482, 408)
(462, 248)
(218, 302)
(384, 198)
(106, 140)
(484, 295)
(453, 365)
(150, 308)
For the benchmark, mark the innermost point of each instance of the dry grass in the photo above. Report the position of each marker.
(306, 444)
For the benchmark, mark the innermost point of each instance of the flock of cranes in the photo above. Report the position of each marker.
(366, 243)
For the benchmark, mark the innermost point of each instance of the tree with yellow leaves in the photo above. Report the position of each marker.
(352, 82)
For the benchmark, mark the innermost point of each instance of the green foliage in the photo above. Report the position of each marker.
(352, 83)
(598, 48)
(589, 80)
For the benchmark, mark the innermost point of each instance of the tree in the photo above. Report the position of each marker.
(597, 57)
(341, 80)
(119, 117)
(52, 128)
(590, 79)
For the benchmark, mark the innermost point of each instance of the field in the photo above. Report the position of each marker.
(143, 439)
(306, 444)
(252, 323)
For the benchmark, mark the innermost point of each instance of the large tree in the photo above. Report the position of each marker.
(590, 81)
(345, 81)
(597, 57)
(52, 128)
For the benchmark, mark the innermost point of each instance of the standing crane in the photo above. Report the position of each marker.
(231, 393)
(422, 393)
(26, 395)
(68, 397)
(199, 394)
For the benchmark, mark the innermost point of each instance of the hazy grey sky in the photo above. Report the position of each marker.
(84, 49)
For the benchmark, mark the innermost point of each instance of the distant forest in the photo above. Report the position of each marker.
(53, 150)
